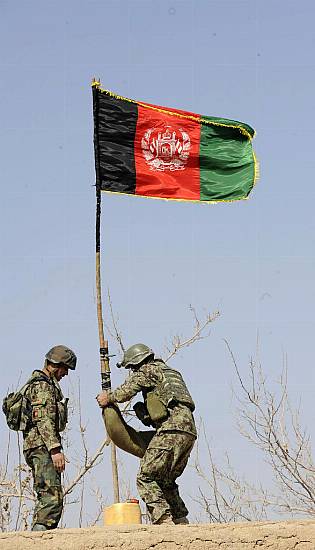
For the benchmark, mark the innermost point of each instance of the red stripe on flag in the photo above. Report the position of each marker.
(172, 110)
(166, 156)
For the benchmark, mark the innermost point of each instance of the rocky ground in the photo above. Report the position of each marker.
(297, 535)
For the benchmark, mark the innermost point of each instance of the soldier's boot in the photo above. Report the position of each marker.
(181, 521)
(164, 520)
(39, 527)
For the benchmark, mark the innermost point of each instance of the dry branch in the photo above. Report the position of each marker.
(178, 342)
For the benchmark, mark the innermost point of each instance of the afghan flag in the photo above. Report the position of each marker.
(152, 151)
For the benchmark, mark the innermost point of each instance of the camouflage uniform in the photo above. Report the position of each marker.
(40, 437)
(167, 454)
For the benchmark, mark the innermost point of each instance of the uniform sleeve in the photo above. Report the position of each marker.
(135, 383)
(44, 413)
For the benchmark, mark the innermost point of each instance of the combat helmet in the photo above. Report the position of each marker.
(135, 355)
(62, 354)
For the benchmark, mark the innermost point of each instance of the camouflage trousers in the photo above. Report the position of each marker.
(47, 485)
(164, 460)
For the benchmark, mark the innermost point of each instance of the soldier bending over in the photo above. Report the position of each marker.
(168, 407)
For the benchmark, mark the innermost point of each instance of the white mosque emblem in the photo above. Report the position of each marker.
(166, 149)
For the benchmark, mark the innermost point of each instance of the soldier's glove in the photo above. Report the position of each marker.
(142, 413)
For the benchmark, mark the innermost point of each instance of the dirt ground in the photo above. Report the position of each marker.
(297, 535)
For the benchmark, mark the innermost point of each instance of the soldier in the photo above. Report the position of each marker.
(170, 408)
(42, 442)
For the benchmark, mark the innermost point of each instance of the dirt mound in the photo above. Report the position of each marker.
(297, 535)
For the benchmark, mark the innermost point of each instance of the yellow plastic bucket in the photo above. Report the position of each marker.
(123, 513)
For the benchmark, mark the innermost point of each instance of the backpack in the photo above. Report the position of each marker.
(17, 409)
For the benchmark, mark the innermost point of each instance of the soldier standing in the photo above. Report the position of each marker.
(170, 407)
(42, 442)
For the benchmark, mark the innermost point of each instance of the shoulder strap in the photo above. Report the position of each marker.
(30, 382)
(22, 391)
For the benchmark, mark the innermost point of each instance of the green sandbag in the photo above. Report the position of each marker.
(124, 436)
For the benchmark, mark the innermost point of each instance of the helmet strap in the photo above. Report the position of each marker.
(49, 369)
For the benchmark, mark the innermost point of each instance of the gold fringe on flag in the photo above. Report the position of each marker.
(96, 84)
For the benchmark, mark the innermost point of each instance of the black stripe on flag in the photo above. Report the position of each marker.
(116, 128)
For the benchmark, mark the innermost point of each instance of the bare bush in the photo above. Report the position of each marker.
(223, 495)
(270, 422)
(267, 419)
(16, 494)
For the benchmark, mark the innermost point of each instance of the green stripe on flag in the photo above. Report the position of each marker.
(227, 164)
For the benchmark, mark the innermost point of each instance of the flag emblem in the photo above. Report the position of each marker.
(166, 148)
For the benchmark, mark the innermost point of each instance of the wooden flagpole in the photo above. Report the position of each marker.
(104, 356)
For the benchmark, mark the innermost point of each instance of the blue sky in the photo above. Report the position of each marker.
(253, 260)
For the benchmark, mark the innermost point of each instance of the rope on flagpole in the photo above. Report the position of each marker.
(104, 356)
